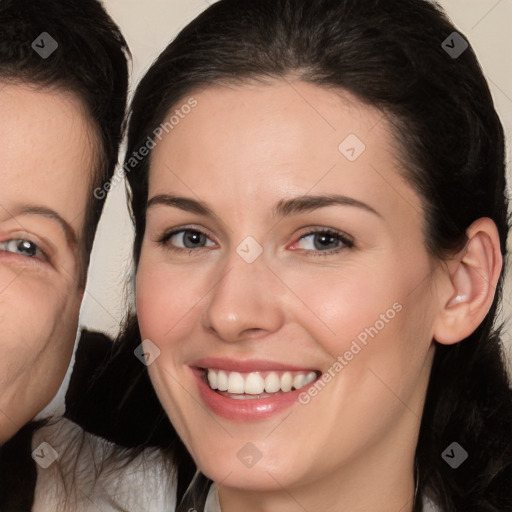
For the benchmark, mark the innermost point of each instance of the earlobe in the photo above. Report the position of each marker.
(473, 276)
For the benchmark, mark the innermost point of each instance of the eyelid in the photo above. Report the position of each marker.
(174, 231)
(347, 240)
(310, 230)
(44, 246)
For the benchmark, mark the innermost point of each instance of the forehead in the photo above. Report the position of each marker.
(49, 150)
(255, 144)
(279, 122)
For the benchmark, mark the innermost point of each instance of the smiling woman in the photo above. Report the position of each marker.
(344, 161)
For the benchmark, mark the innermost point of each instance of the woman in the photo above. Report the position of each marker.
(61, 123)
(318, 195)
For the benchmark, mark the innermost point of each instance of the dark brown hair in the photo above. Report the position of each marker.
(90, 62)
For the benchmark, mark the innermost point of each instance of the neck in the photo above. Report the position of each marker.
(381, 482)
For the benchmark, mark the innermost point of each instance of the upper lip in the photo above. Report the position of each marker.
(246, 366)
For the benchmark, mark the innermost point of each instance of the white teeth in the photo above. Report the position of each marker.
(310, 377)
(286, 382)
(272, 383)
(212, 380)
(235, 383)
(254, 383)
(298, 381)
(222, 381)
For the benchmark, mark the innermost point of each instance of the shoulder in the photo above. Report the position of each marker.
(82, 472)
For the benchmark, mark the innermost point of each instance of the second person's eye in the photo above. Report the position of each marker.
(23, 247)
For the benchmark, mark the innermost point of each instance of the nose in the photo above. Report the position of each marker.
(246, 301)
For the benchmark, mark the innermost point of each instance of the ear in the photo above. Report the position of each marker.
(472, 278)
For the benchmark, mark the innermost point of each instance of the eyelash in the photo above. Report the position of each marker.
(347, 242)
(44, 258)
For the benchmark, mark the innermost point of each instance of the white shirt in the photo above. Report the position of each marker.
(91, 474)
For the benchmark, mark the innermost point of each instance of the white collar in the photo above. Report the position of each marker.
(212, 500)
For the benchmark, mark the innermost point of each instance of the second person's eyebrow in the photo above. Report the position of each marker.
(283, 208)
(69, 232)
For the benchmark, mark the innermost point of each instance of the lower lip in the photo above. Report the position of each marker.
(243, 410)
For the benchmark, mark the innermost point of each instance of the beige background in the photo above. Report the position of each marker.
(149, 25)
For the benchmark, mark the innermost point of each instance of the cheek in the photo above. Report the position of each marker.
(343, 303)
(26, 311)
(165, 299)
(371, 315)
(155, 302)
(33, 313)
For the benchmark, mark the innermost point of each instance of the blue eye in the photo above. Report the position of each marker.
(23, 247)
(323, 241)
(190, 238)
(326, 241)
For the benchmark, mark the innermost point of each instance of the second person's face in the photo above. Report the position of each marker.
(45, 173)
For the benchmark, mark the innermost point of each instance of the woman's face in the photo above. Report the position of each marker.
(45, 173)
(279, 249)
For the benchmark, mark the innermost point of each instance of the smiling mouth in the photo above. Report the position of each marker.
(259, 384)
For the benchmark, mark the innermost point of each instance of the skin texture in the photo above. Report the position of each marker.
(241, 150)
(47, 163)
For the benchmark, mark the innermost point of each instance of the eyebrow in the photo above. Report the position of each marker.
(283, 208)
(43, 211)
